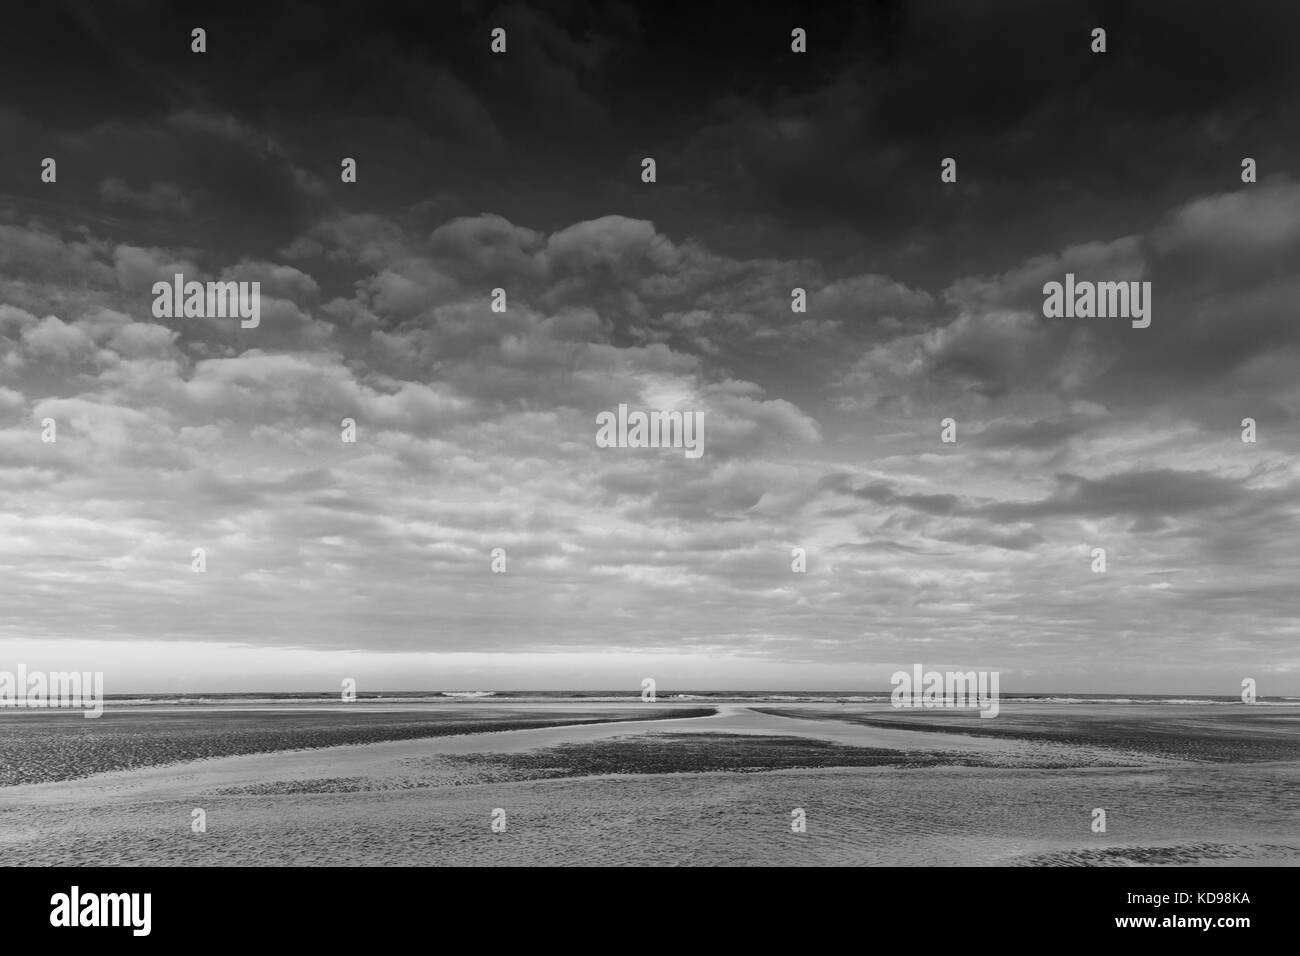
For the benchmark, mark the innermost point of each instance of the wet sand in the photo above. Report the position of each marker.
(714, 789)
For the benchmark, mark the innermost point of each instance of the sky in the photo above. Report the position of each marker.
(475, 429)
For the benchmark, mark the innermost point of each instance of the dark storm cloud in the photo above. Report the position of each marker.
(1139, 494)
(1039, 435)
(839, 148)
(1142, 495)
(882, 493)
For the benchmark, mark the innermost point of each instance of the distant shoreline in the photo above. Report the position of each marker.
(676, 696)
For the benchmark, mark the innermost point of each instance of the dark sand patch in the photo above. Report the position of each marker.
(1243, 735)
(1180, 854)
(42, 746)
(448, 772)
(703, 752)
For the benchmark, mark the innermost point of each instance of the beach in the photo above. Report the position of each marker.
(574, 782)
